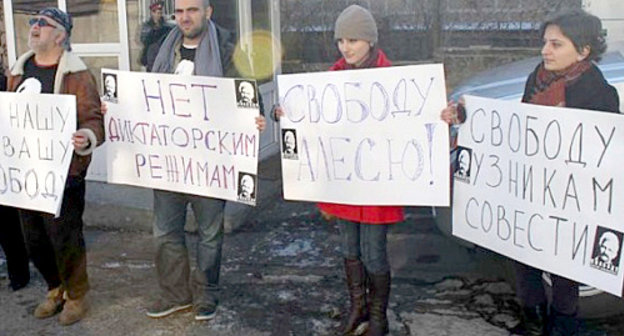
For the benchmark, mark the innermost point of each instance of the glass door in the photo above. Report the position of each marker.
(259, 39)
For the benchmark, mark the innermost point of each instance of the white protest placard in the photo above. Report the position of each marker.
(365, 137)
(36, 132)
(543, 185)
(188, 134)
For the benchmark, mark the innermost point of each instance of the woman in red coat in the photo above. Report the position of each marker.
(363, 229)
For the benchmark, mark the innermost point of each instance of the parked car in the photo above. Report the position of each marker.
(507, 83)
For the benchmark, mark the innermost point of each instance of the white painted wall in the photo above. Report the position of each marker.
(612, 14)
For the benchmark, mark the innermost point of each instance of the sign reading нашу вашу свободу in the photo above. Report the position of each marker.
(36, 136)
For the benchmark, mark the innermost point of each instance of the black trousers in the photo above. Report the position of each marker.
(12, 242)
(56, 245)
(530, 290)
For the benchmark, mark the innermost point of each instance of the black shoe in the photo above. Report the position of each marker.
(534, 320)
(205, 313)
(563, 325)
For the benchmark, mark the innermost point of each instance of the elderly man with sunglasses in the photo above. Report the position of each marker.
(56, 245)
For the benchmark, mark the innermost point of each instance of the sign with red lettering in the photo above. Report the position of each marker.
(366, 137)
(188, 134)
(36, 138)
(541, 185)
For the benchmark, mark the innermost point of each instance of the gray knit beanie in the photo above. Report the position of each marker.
(356, 22)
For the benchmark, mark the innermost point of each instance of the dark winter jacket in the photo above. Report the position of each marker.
(151, 37)
(227, 43)
(591, 92)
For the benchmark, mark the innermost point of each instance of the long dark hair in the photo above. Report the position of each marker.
(582, 28)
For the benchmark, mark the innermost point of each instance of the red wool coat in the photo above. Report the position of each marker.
(369, 214)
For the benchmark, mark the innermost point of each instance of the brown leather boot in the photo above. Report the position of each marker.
(52, 304)
(357, 321)
(73, 311)
(378, 294)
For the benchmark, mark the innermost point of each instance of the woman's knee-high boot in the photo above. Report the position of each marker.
(357, 320)
(379, 292)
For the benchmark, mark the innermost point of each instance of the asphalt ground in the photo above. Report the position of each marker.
(281, 275)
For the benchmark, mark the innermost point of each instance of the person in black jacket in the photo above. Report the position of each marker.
(567, 77)
(11, 237)
(153, 32)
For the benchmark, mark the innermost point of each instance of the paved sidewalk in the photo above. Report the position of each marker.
(281, 275)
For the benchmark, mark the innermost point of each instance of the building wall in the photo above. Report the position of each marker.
(611, 12)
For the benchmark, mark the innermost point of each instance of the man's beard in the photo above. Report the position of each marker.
(35, 46)
(41, 46)
(195, 33)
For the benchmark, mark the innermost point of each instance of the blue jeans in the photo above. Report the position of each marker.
(172, 257)
(366, 242)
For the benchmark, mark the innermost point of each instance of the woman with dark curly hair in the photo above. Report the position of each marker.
(567, 77)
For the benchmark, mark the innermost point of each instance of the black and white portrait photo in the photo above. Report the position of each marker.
(607, 250)
(289, 144)
(246, 188)
(463, 163)
(109, 83)
(246, 94)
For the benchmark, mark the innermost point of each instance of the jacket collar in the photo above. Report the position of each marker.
(68, 63)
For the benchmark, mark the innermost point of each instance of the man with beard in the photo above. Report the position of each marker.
(196, 46)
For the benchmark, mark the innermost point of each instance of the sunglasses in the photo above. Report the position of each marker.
(41, 22)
